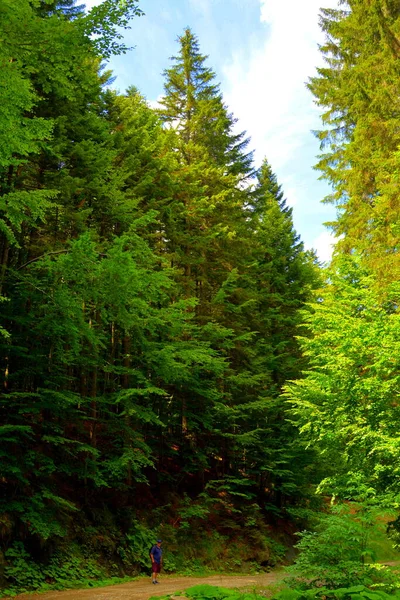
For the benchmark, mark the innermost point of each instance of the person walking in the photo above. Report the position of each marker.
(156, 560)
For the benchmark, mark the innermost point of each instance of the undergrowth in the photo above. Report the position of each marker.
(103, 548)
(356, 592)
(209, 592)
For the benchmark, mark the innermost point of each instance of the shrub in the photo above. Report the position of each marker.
(355, 592)
(338, 554)
(135, 548)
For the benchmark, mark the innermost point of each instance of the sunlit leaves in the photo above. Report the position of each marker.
(357, 91)
(349, 397)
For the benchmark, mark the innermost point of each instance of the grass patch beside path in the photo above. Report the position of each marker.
(209, 592)
(81, 584)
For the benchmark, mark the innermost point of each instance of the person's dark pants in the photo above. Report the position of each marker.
(156, 567)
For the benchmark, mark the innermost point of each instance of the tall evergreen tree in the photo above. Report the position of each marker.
(348, 394)
(194, 106)
(357, 89)
(204, 219)
(275, 280)
(153, 186)
(211, 165)
(286, 273)
(236, 251)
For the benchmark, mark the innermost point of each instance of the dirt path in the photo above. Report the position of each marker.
(143, 589)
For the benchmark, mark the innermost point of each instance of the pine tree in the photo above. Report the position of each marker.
(286, 272)
(275, 279)
(211, 166)
(153, 187)
(357, 90)
(347, 397)
(194, 106)
(146, 164)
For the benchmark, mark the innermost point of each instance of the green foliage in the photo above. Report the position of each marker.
(338, 552)
(104, 23)
(208, 592)
(194, 104)
(136, 545)
(152, 313)
(354, 592)
(360, 133)
(190, 512)
(63, 570)
(22, 572)
(348, 397)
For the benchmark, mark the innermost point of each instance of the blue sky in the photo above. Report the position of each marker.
(263, 52)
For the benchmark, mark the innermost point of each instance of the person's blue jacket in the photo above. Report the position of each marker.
(157, 553)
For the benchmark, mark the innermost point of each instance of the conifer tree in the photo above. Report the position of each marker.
(357, 90)
(211, 164)
(286, 272)
(204, 218)
(275, 280)
(237, 252)
(347, 396)
(146, 165)
(194, 106)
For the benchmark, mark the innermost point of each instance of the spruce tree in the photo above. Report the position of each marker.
(194, 106)
(211, 165)
(347, 396)
(287, 273)
(357, 90)
(275, 280)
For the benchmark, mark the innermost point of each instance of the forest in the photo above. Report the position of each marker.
(175, 364)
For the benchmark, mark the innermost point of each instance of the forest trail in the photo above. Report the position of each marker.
(143, 589)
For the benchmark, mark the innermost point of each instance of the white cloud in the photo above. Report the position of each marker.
(267, 91)
(155, 103)
(90, 3)
(265, 86)
(324, 245)
(202, 7)
(290, 194)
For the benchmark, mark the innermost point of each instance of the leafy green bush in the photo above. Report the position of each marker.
(65, 569)
(135, 548)
(338, 553)
(169, 564)
(21, 572)
(209, 592)
(355, 592)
